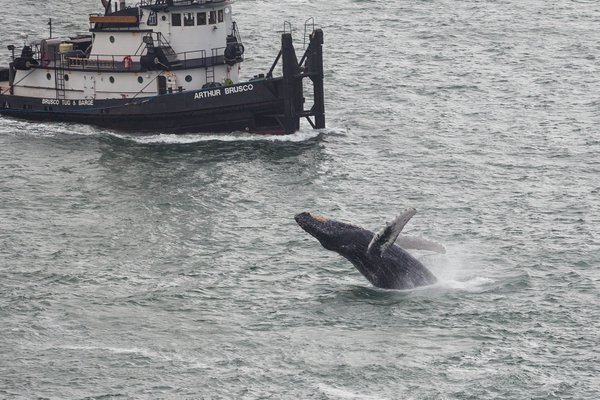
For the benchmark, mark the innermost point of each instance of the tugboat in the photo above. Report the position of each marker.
(168, 66)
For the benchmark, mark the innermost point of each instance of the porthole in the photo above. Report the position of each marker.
(164, 18)
(140, 79)
(48, 76)
(188, 78)
(112, 79)
(112, 39)
(66, 77)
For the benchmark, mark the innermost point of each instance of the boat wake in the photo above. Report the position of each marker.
(45, 130)
(172, 139)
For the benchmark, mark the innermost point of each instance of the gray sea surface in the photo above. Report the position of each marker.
(171, 266)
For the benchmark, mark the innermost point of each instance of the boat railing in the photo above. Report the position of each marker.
(78, 60)
(166, 3)
(287, 27)
(236, 32)
(100, 62)
(309, 28)
(124, 63)
(189, 58)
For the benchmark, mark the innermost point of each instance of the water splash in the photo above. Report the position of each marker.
(475, 284)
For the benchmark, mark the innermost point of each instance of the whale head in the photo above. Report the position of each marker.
(332, 234)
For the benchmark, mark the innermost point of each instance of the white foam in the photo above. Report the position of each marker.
(164, 138)
(344, 393)
(472, 285)
(151, 354)
(42, 129)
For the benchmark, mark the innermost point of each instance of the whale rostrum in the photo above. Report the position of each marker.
(377, 256)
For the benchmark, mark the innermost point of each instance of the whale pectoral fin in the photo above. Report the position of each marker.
(388, 235)
(417, 243)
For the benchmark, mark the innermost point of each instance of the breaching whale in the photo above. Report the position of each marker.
(383, 262)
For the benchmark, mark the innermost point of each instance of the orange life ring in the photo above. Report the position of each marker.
(127, 62)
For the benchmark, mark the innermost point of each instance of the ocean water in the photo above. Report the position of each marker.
(171, 266)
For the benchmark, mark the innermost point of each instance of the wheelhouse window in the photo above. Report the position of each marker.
(220, 15)
(201, 18)
(152, 19)
(176, 19)
(212, 18)
(188, 19)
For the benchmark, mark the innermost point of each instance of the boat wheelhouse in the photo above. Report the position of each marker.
(163, 65)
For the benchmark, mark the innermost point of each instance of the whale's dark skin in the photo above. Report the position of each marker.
(385, 264)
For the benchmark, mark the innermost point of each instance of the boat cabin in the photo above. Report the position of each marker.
(153, 47)
(163, 64)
